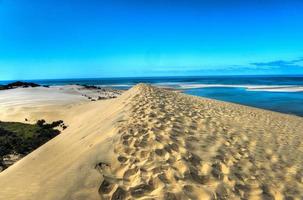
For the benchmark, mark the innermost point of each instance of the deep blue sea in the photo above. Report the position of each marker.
(278, 93)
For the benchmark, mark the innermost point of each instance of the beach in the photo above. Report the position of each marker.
(35, 103)
(269, 92)
(153, 143)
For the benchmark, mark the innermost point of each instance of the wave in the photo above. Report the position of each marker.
(186, 86)
(268, 88)
(277, 89)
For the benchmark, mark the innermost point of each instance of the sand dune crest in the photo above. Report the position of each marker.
(156, 144)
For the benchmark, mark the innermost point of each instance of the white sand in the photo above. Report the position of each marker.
(155, 144)
(36, 103)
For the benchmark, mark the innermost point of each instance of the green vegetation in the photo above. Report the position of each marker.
(21, 139)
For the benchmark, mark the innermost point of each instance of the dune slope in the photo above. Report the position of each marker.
(155, 144)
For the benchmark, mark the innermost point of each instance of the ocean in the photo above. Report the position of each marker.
(277, 93)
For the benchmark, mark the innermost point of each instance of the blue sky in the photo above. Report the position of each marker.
(114, 38)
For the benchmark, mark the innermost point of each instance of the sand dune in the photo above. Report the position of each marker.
(152, 143)
(47, 102)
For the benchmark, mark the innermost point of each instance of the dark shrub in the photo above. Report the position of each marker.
(40, 122)
(20, 138)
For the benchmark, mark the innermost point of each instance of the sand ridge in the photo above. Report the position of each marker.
(151, 143)
(175, 146)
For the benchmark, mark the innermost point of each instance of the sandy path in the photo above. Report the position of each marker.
(180, 147)
(156, 144)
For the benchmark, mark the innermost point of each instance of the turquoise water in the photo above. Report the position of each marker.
(278, 93)
(285, 102)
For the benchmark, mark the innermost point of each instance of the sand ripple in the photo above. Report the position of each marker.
(173, 146)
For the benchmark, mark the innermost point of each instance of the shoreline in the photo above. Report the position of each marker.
(273, 96)
(70, 95)
(154, 143)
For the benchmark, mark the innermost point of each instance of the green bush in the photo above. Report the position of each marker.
(20, 138)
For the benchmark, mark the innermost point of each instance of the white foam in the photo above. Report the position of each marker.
(184, 86)
(277, 89)
(268, 88)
